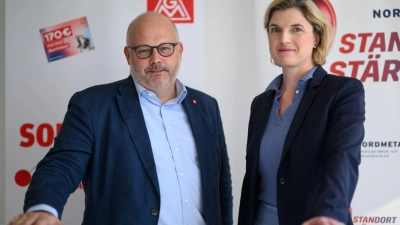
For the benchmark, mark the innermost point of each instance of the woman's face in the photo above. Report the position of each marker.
(291, 39)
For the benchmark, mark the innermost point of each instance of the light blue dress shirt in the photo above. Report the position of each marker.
(175, 156)
(271, 150)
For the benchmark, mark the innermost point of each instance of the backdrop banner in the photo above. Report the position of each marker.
(366, 47)
(56, 48)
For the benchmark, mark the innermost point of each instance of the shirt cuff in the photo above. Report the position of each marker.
(43, 207)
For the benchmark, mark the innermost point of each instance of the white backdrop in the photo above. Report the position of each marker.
(226, 55)
(37, 91)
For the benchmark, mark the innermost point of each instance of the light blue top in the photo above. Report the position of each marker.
(175, 156)
(271, 150)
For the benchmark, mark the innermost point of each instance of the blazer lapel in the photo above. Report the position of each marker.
(197, 123)
(309, 94)
(201, 127)
(260, 122)
(204, 137)
(132, 114)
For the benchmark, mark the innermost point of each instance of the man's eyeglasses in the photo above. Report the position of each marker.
(145, 51)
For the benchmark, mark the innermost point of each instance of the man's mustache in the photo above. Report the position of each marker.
(156, 67)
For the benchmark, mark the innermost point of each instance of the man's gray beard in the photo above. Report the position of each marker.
(142, 80)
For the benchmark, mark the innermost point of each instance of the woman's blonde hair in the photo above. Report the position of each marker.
(321, 25)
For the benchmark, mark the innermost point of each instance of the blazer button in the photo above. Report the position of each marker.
(154, 212)
(282, 181)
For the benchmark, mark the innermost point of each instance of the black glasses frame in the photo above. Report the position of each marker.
(156, 47)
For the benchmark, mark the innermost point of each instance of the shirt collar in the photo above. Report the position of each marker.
(276, 83)
(180, 89)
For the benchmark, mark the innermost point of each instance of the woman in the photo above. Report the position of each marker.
(305, 130)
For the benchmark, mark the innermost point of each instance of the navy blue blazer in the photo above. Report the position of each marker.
(318, 171)
(104, 142)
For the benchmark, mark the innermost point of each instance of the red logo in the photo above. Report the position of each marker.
(180, 11)
(326, 7)
(23, 178)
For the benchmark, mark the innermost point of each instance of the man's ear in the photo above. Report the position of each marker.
(127, 55)
(180, 48)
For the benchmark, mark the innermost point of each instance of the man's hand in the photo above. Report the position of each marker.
(322, 220)
(35, 218)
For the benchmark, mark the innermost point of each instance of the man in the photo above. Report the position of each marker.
(148, 150)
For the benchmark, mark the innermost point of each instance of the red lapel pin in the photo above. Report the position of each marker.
(194, 101)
